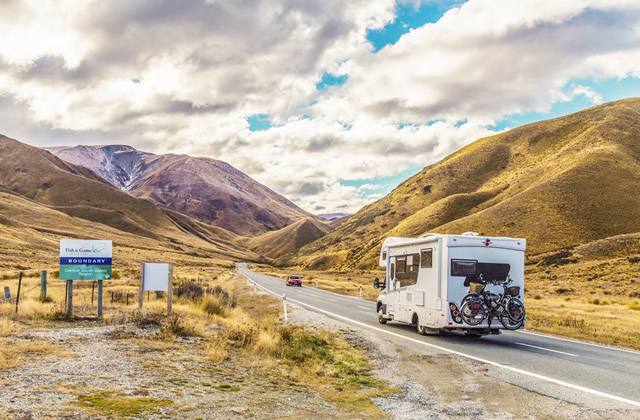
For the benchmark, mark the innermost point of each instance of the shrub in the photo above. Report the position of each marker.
(45, 299)
(176, 326)
(143, 319)
(191, 291)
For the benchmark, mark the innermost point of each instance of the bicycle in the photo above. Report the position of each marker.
(481, 304)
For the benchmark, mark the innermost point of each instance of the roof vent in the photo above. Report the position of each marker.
(470, 234)
(429, 234)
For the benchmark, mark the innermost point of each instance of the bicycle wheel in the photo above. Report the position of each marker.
(473, 311)
(508, 323)
(515, 310)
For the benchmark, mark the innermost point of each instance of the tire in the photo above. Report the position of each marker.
(473, 317)
(515, 310)
(381, 318)
(510, 324)
(422, 330)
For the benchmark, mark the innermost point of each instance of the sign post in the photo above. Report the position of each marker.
(157, 277)
(85, 260)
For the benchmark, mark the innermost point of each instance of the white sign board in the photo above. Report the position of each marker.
(156, 276)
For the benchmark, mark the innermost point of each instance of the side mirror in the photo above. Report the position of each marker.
(376, 283)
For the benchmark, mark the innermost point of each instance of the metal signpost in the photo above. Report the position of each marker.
(85, 260)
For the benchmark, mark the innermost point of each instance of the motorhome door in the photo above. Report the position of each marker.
(392, 292)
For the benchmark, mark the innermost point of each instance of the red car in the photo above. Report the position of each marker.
(294, 281)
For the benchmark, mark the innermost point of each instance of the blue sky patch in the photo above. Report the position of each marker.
(610, 90)
(409, 17)
(259, 122)
(385, 184)
(329, 79)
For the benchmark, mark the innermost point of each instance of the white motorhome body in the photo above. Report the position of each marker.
(426, 275)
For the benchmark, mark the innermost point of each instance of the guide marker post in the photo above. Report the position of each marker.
(284, 303)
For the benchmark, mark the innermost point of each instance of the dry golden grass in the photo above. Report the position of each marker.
(8, 327)
(14, 354)
(289, 239)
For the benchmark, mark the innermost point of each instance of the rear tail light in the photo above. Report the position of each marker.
(455, 313)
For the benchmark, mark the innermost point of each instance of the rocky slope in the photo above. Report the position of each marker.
(208, 190)
(45, 199)
(558, 183)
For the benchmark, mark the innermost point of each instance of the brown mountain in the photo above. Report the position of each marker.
(63, 199)
(208, 190)
(558, 183)
(289, 239)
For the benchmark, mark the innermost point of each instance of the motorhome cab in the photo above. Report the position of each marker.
(428, 277)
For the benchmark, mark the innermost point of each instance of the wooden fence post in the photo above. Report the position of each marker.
(43, 285)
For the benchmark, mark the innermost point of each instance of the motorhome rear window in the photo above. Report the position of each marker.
(426, 258)
(464, 267)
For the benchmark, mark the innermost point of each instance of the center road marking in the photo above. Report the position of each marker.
(489, 362)
(545, 349)
(363, 307)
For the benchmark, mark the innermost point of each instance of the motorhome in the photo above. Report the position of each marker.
(428, 277)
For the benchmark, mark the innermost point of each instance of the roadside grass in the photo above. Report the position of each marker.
(13, 354)
(612, 324)
(233, 326)
(320, 360)
(122, 406)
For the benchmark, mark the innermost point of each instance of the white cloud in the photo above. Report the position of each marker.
(67, 71)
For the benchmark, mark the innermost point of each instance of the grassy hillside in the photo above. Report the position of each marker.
(287, 240)
(558, 183)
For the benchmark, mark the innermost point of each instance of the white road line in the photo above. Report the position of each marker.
(545, 349)
(424, 343)
(579, 342)
(363, 307)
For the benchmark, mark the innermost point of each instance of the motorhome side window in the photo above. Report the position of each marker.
(407, 269)
(464, 267)
(384, 255)
(426, 258)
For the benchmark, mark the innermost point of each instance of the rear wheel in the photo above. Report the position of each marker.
(515, 310)
(509, 323)
(473, 312)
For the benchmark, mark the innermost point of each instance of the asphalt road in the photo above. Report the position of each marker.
(576, 371)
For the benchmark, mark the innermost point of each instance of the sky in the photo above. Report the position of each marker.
(330, 103)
